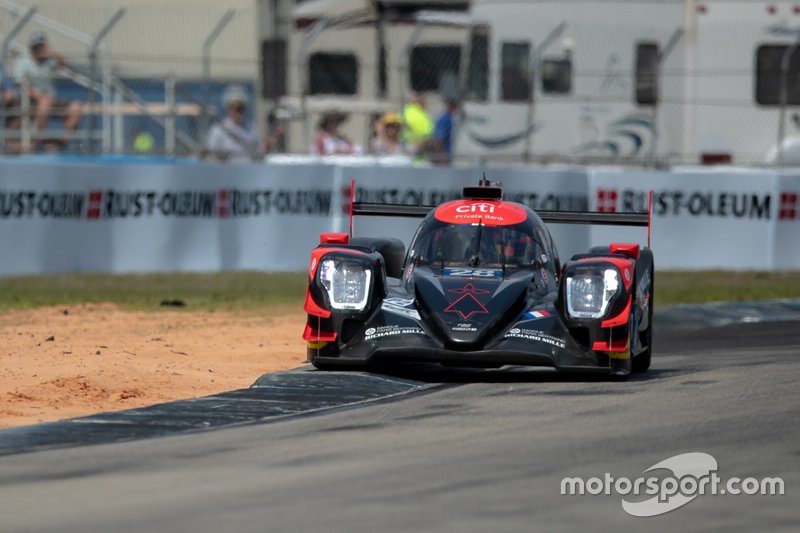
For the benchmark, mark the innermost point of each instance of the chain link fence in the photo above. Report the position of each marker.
(151, 78)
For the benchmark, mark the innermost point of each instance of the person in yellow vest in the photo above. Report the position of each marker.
(418, 123)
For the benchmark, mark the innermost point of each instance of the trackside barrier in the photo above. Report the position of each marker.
(112, 216)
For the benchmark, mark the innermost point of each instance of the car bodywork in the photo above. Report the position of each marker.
(481, 285)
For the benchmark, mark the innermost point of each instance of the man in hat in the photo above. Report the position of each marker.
(38, 71)
(232, 140)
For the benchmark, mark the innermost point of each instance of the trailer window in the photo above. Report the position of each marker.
(769, 65)
(646, 73)
(478, 70)
(557, 76)
(332, 73)
(515, 72)
(429, 63)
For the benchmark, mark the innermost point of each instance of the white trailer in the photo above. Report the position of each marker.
(335, 60)
(631, 81)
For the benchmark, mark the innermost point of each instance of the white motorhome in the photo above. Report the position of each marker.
(631, 81)
(334, 60)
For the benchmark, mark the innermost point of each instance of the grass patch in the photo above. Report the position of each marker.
(226, 290)
(259, 290)
(721, 286)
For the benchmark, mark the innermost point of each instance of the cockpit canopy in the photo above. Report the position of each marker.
(443, 240)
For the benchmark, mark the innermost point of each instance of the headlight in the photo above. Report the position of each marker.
(588, 294)
(346, 282)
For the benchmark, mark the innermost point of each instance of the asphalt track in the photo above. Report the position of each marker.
(472, 451)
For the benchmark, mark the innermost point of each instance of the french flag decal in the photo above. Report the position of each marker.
(536, 314)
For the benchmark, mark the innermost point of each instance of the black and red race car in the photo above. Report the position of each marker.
(480, 286)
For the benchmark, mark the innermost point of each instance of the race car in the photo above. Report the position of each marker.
(481, 286)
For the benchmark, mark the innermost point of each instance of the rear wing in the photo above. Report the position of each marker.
(550, 217)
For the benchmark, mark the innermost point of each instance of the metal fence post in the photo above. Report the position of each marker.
(7, 40)
(169, 120)
(93, 46)
(302, 52)
(784, 96)
(668, 48)
(536, 64)
(207, 44)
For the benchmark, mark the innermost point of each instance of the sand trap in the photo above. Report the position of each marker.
(61, 362)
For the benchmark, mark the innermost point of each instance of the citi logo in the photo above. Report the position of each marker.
(475, 208)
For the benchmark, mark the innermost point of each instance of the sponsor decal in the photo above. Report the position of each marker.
(467, 305)
(490, 213)
(387, 331)
(473, 272)
(400, 306)
(535, 314)
(783, 29)
(409, 272)
(670, 484)
(718, 204)
(112, 203)
(535, 335)
(465, 327)
(543, 273)
(643, 291)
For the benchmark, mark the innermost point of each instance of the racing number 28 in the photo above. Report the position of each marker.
(471, 272)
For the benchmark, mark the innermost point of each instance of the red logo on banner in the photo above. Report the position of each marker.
(788, 206)
(487, 212)
(223, 204)
(95, 207)
(607, 200)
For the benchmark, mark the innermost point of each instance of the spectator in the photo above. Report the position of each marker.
(231, 140)
(441, 146)
(419, 126)
(38, 72)
(387, 140)
(329, 140)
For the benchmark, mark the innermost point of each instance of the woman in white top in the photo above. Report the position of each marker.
(329, 140)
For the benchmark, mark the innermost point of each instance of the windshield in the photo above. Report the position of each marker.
(474, 245)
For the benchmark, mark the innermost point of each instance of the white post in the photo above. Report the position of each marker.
(689, 80)
(118, 124)
(25, 105)
(169, 121)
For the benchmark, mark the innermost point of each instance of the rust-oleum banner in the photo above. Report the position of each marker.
(107, 217)
(140, 218)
